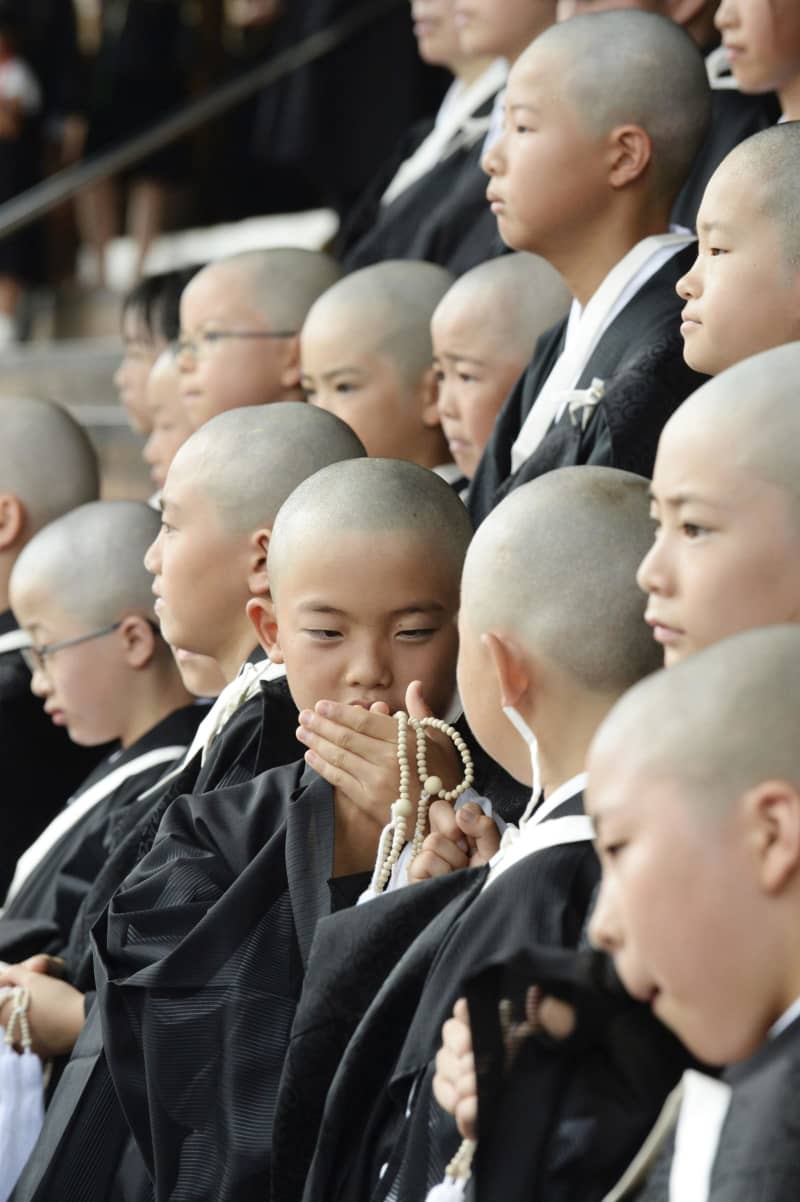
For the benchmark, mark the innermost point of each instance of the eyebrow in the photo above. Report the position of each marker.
(708, 227)
(336, 371)
(167, 502)
(685, 498)
(418, 607)
(521, 104)
(455, 357)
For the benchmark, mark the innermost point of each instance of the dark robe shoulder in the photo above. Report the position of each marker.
(387, 1121)
(42, 767)
(639, 360)
(55, 889)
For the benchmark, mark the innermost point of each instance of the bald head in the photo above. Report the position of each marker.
(46, 460)
(753, 411)
(720, 722)
(512, 300)
(91, 562)
(373, 496)
(281, 283)
(767, 167)
(248, 461)
(386, 310)
(553, 567)
(627, 67)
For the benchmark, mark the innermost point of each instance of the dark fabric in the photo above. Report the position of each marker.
(758, 1156)
(55, 889)
(41, 766)
(50, 45)
(387, 1066)
(441, 217)
(640, 361)
(604, 1086)
(258, 736)
(734, 117)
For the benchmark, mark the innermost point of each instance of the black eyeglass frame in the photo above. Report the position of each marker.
(35, 656)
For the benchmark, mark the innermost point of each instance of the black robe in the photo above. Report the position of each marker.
(85, 1138)
(758, 1154)
(50, 897)
(360, 1064)
(443, 217)
(42, 767)
(640, 360)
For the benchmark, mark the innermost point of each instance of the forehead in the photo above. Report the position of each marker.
(534, 78)
(35, 603)
(471, 314)
(733, 195)
(219, 293)
(689, 460)
(343, 334)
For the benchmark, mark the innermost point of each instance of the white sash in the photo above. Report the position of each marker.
(556, 832)
(15, 640)
(83, 803)
(703, 1111)
(593, 323)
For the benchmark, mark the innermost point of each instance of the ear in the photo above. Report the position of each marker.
(261, 612)
(13, 519)
(772, 816)
(290, 373)
(630, 154)
(257, 582)
(509, 667)
(138, 641)
(429, 396)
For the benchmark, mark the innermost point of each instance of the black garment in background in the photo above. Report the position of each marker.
(50, 45)
(85, 1152)
(640, 360)
(734, 117)
(42, 767)
(758, 1154)
(55, 889)
(336, 120)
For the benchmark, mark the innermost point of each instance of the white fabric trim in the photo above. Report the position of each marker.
(702, 1115)
(586, 327)
(15, 640)
(785, 1020)
(81, 805)
(453, 121)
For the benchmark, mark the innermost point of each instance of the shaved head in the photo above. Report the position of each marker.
(767, 166)
(753, 410)
(720, 722)
(385, 309)
(553, 567)
(91, 561)
(626, 68)
(248, 461)
(514, 299)
(46, 459)
(282, 283)
(373, 496)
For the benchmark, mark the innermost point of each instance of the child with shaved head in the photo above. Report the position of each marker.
(240, 325)
(366, 356)
(535, 680)
(749, 246)
(169, 421)
(484, 332)
(364, 564)
(593, 156)
(762, 40)
(47, 467)
(697, 811)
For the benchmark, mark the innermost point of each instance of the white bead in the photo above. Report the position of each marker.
(402, 808)
(433, 785)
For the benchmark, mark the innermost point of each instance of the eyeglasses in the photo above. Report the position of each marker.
(35, 656)
(203, 344)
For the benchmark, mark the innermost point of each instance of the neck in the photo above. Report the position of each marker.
(5, 575)
(239, 648)
(584, 263)
(564, 734)
(790, 100)
(470, 69)
(156, 693)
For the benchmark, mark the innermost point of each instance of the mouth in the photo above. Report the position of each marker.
(732, 50)
(661, 632)
(688, 322)
(496, 203)
(423, 28)
(56, 716)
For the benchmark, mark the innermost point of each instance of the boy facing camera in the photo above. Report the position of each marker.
(366, 357)
(697, 810)
(585, 175)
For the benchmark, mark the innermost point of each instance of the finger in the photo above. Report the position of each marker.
(481, 830)
(427, 865)
(457, 1038)
(360, 765)
(466, 1116)
(52, 966)
(356, 717)
(461, 1010)
(557, 1018)
(447, 851)
(444, 1093)
(416, 705)
(361, 735)
(379, 707)
(442, 820)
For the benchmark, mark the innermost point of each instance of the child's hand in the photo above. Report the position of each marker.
(55, 1013)
(455, 1085)
(463, 839)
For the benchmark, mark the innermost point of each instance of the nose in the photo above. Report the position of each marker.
(185, 354)
(723, 18)
(40, 682)
(493, 160)
(652, 576)
(605, 931)
(370, 665)
(152, 556)
(149, 452)
(689, 286)
(445, 399)
(119, 374)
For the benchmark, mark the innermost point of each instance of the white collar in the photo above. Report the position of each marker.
(537, 811)
(785, 1021)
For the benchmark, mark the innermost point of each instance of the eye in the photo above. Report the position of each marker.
(438, 375)
(692, 530)
(612, 850)
(308, 393)
(345, 386)
(323, 636)
(418, 634)
(714, 251)
(166, 528)
(466, 377)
